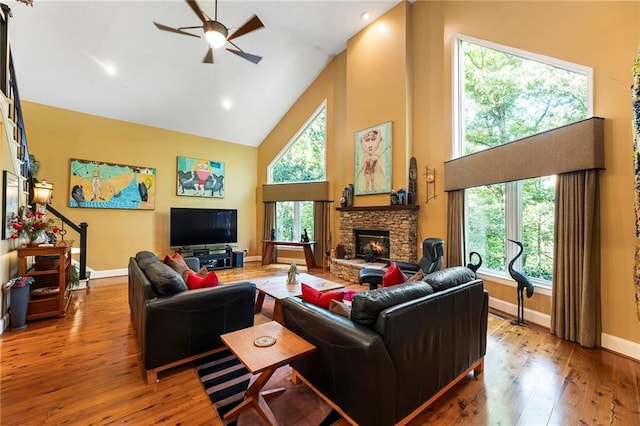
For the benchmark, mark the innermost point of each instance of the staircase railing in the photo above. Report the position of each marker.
(9, 86)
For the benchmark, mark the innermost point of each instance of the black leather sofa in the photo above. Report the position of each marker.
(402, 347)
(174, 325)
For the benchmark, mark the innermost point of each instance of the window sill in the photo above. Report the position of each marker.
(501, 279)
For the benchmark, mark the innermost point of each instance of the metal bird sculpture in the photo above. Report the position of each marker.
(523, 283)
(474, 266)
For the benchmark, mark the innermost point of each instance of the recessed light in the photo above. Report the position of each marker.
(366, 16)
(227, 103)
(110, 69)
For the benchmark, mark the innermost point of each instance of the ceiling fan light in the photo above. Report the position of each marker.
(216, 34)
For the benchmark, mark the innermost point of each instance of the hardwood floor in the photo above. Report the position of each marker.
(85, 369)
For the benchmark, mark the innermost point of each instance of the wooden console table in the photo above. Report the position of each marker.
(53, 275)
(307, 248)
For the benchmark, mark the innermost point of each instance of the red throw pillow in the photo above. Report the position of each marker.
(178, 257)
(348, 295)
(195, 281)
(318, 298)
(177, 265)
(393, 276)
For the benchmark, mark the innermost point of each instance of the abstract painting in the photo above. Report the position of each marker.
(198, 177)
(373, 160)
(97, 184)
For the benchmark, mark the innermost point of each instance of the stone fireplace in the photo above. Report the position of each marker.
(399, 222)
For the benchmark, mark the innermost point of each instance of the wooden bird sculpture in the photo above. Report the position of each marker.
(523, 283)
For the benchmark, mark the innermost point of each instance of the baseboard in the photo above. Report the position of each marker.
(530, 315)
(253, 259)
(607, 341)
(4, 323)
(620, 346)
(108, 273)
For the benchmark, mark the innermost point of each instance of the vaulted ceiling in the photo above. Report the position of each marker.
(64, 50)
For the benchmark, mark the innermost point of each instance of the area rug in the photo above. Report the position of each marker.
(225, 379)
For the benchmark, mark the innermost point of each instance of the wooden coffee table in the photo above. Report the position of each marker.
(264, 360)
(277, 288)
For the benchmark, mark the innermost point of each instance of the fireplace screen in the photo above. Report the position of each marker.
(370, 242)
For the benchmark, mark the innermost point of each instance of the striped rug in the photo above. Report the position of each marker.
(225, 379)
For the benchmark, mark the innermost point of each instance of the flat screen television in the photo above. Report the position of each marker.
(190, 227)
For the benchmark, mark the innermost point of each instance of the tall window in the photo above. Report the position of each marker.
(302, 160)
(502, 95)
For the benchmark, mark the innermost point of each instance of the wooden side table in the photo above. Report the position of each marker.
(264, 360)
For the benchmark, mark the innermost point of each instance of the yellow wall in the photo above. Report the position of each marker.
(406, 78)
(56, 135)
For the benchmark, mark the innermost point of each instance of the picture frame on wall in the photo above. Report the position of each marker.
(198, 177)
(102, 185)
(373, 160)
(10, 201)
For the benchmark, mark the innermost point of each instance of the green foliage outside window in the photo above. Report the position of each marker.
(505, 98)
(303, 160)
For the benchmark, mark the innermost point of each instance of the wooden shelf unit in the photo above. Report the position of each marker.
(47, 275)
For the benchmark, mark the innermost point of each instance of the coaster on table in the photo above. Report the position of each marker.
(264, 341)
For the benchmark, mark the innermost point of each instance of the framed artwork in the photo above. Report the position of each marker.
(10, 201)
(101, 185)
(373, 160)
(198, 177)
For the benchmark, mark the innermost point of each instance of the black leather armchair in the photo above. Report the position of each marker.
(431, 261)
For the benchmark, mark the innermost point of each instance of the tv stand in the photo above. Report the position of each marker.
(213, 259)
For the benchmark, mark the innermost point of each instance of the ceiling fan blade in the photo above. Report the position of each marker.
(208, 58)
(197, 10)
(248, 56)
(251, 25)
(174, 30)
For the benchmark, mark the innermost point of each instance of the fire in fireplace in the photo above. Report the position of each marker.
(368, 241)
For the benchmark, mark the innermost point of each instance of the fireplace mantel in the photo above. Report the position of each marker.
(380, 208)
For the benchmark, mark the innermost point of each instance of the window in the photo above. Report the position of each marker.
(302, 160)
(502, 95)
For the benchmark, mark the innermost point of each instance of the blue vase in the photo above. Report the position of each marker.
(19, 305)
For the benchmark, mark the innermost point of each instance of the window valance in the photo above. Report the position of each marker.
(576, 146)
(303, 191)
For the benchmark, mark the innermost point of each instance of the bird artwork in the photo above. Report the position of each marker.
(474, 266)
(523, 284)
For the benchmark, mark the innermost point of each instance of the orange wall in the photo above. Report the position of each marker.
(56, 135)
(405, 76)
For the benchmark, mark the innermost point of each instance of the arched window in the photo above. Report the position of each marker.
(301, 160)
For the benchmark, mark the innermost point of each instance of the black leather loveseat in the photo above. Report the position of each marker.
(174, 325)
(402, 347)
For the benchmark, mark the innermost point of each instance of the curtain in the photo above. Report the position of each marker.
(320, 229)
(575, 303)
(455, 228)
(269, 224)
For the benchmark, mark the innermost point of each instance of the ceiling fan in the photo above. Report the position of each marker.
(216, 34)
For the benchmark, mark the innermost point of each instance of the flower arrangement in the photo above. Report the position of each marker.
(31, 225)
(22, 281)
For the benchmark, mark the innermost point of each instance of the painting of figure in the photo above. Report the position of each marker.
(102, 185)
(373, 160)
(198, 177)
